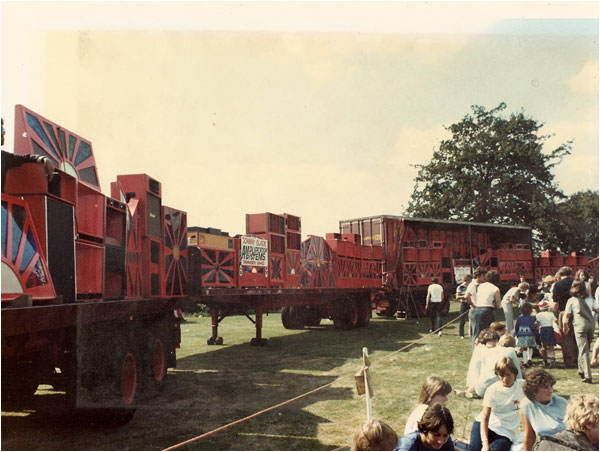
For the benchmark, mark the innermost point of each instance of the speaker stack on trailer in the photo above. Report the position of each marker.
(115, 249)
(272, 228)
(293, 244)
(148, 212)
(76, 266)
(212, 261)
(24, 269)
(318, 268)
(175, 252)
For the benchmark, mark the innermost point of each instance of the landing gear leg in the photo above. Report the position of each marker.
(215, 339)
(258, 340)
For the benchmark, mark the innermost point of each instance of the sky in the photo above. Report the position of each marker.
(315, 109)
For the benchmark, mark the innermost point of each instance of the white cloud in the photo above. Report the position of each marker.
(586, 80)
(418, 144)
(579, 170)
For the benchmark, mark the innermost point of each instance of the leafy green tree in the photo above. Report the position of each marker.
(574, 224)
(493, 169)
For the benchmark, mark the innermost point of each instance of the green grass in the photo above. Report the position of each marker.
(215, 385)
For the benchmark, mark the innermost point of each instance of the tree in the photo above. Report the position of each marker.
(573, 225)
(491, 170)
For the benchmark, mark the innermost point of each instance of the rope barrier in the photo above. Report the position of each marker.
(287, 402)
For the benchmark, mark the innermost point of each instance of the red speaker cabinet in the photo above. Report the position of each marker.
(24, 269)
(261, 223)
(293, 268)
(175, 253)
(211, 267)
(71, 153)
(115, 250)
(90, 210)
(90, 271)
(147, 191)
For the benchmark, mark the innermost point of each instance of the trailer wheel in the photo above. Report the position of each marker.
(285, 318)
(126, 373)
(313, 317)
(346, 315)
(155, 363)
(293, 317)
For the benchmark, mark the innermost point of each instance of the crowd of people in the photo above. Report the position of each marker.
(515, 393)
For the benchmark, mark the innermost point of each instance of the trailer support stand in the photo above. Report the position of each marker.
(215, 339)
(258, 340)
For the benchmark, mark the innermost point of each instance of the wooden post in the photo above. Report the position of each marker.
(367, 376)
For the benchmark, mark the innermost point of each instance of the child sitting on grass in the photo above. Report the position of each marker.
(374, 435)
(497, 424)
(546, 320)
(487, 339)
(434, 390)
(434, 430)
(525, 331)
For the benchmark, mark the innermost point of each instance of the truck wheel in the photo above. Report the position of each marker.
(364, 313)
(313, 317)
(293, 317)
(346, 315)
(155, 363)
(126, 373)
(285, 318)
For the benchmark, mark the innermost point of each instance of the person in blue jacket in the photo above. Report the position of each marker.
(434, 430)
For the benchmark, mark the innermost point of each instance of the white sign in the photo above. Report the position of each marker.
(254, 252)
(460, 273)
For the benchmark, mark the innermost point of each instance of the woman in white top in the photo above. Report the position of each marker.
(435, 390)
(510, 299)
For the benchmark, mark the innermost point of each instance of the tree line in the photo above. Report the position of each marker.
(495, 169)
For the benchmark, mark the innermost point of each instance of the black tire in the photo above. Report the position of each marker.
(313, 317)
(285, 318)
(155, 361)
(346, 315)
(210, 341)
(219, 341)
(364, 313)
(353, 314)
(293, 317)
(126, 375)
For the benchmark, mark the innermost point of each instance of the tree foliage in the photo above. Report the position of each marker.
(493, 169)
(573, 224)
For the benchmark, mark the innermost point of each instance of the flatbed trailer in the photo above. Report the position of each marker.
(300, 307)
(105, 355)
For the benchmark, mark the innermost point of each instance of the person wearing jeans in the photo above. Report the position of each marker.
(461, 292)
(435, 295)
(497, 424)
(488, 298)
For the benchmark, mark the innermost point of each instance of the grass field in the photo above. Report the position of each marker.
(215, 385)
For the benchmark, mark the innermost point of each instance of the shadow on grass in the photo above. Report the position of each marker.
(212, 388)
